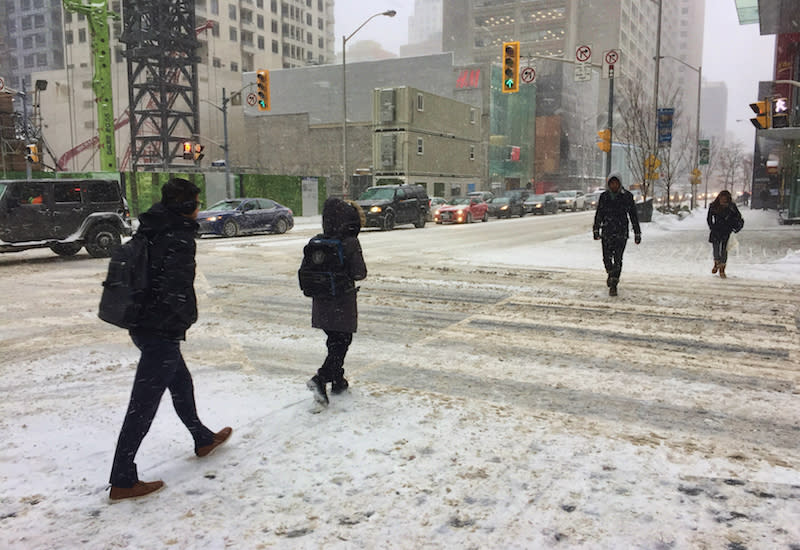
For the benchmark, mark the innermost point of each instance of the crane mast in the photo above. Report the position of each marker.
(97, 15)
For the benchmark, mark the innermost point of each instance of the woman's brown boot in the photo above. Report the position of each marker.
(722, 271)
(716, 267)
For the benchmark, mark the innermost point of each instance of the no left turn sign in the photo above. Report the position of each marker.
(583, 53)
(528, 75)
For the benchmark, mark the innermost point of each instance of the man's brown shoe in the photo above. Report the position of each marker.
(219, 438)
(141, 489)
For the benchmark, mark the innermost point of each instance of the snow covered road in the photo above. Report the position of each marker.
(499, 398)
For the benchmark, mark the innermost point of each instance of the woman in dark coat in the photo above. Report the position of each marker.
(338, 316)
(723, 219)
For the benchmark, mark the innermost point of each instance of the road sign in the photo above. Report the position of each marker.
(665, 116)
(583, 72)
(583, 54)
(251, 99)
(528, 75)
(704, 146)
(611, 58)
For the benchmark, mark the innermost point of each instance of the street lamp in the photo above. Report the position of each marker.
(699, 71)
(345, 182)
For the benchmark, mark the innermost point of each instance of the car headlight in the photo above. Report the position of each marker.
(569, 201)
(504, 207)
(376, 210)
(212, 218)
(460, 212)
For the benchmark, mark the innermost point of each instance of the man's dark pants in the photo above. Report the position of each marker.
(613, 249)
(337, 343)
(161, 367)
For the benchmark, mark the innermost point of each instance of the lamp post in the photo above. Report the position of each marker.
(699, 71)
(345, 182)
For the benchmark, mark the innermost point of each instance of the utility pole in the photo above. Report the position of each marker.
(655, 92)
(227, 148)
(25, 126)
(610, 117)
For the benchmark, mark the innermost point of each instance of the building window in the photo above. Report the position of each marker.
(275, 26)
(68, 37)
(215, 31)
(216, 63)
(233, 34)
(319, 23)
(260, 4)
(234, 67)
(38, 21)
(27, 42)
(472, 116)
(232, 12)
(420, 102)
(420, 146)
(309, 19)
(81, 35)
(215, 7)
(321, 42)
(319, 5)
(41, 60)
(471, 152)
(275, 46)
(273, 6)
(260, 21)
(27, 23)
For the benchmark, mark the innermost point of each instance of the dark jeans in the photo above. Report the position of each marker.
(720, 248)
(338, 343)
(613, 249)
(161, 367)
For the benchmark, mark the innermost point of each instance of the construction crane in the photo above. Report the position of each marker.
(97, 14)
(123, 119)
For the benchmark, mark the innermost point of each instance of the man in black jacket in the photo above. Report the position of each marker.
(169, 310)
(614, 207)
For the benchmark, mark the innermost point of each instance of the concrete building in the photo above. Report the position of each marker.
(426, 139)
(714, 111)
(245, 36)
(424, 29)
(474, 31)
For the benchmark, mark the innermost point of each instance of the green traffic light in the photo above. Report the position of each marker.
(509, 83)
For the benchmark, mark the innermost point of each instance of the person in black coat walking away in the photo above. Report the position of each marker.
(723, 219)
(170, 308)
(338, 316)
(614, 207)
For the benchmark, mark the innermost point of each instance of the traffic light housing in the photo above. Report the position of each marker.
(605, 140)
(262, 83)
(762, 111)
(780, 112)
(32, 153)
(187, 150)
(198, 151)
(510, 67)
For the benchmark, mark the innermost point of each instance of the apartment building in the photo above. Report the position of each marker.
(241, 36)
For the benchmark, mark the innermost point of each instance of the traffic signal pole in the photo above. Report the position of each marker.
(610, 117)
(27, 131)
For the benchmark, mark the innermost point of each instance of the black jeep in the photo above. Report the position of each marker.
(388, 205)
(63, 215)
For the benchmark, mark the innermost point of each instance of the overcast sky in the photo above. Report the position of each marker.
(732, 53)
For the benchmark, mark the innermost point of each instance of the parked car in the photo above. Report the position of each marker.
(63, 215)
(433, 205)
(590, 200)
(386, 206)
(571, 200)
(505, 207)
(462, 210)
(241, 216)
(541, 204)
(483, 195)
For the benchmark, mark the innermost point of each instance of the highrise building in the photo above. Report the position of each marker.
(234, 38)
(424, 29)
(714, 110)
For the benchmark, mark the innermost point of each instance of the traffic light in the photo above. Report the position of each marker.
(605, 140)
(651, 164)
(780, 112)
(262, 81)
(198, 151)
(32, 153)
(510, 67)
(187, 150)
(761, 109)
(696, 177)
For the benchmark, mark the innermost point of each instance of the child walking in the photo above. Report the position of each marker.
(338, 315)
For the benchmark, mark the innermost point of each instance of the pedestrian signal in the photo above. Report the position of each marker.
(761, 120)
(780, 112)
(510, 67)
(187, 150)
(32, 153)
(605, 140)
(198, 151)
(262, 83)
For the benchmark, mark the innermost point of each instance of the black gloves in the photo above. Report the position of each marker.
(637, 238)
(596, 235)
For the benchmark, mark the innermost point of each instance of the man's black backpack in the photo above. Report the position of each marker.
(322, 273)
(126, 284)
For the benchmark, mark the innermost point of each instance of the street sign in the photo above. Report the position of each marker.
(610, 59)
(704, 151)
(583, 72)
(528, 75)
(665, 116)
(583, 54)
(251, 99)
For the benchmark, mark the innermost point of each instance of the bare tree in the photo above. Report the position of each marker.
(747, 172)
(730, 164)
